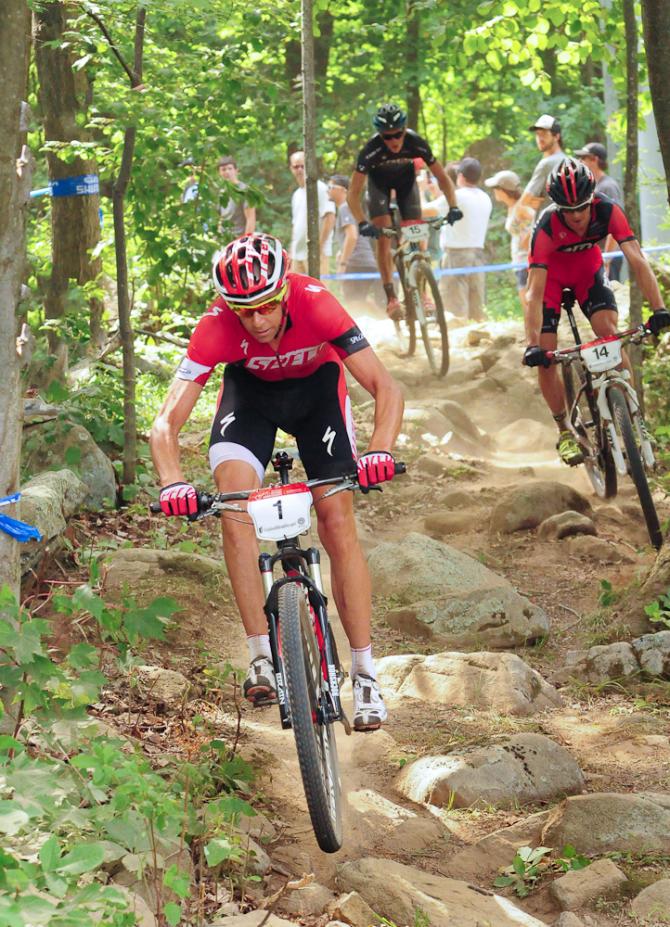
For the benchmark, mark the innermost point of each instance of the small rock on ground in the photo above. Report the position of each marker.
(565, 524)
(652, 905)
(580, 887)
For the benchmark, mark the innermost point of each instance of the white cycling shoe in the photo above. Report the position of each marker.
(369, 709)
(260, 686)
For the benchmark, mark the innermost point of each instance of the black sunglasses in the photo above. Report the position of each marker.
(394, 134)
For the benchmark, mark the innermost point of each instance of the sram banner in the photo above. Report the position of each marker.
(280, 512)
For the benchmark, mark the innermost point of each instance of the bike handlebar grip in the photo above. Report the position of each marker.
(400, 467)
(155, 507)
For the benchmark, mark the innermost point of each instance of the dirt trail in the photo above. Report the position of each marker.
(607, 733)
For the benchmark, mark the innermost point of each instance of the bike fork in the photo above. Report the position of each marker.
(265, 564)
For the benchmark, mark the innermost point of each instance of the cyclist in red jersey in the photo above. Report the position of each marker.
(285, 341)
(564, 253)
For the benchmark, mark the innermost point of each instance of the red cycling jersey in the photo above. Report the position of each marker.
(554, 244)
(318, 330)
(575, 261)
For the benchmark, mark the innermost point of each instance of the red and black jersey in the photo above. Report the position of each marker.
(318, 330)
(553, 241)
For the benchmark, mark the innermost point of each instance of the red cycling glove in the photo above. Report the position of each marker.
(179, 499)
(375, 467)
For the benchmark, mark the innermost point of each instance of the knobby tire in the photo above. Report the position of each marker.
(621, 415)
(437, 359)
(315, 742)
(600, 467)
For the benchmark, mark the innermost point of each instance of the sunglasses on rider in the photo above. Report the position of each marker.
(574, 209)
(248, 312)
(399, 134)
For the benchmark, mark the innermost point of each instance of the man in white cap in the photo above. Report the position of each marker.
(548, 139)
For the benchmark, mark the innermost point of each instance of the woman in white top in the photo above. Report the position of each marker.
(506, 187)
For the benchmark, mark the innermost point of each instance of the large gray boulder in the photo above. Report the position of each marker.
(61, 443)
(652, 905)
(524, 768)
(648, 655)
(398, 892)
(528, 505)
(611, 822)
(451, 597)
(130, 565)
(580, 887)
(500, 682)
(47, 501)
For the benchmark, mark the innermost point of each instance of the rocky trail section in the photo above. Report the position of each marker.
(521, 712)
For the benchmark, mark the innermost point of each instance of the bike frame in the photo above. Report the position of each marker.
(407, 256)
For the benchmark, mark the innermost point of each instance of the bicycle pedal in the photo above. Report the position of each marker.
(346, 724)
(263, 701)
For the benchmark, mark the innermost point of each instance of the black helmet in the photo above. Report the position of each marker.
(389, 117)
(571, 185)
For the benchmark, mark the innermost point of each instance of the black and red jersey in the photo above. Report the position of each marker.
(553, 241)
(318, 330)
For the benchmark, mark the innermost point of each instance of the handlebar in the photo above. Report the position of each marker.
(210, 503)
(435, 223)
(565, 355)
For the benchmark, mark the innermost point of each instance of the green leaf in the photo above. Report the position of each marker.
(85, 600)
(84, 858)
(12, 818)
(50, 854)
(83, 656)
(219, 849)
(172, 913)
(178, 880)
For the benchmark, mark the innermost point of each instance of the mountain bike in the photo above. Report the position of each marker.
(604, 413)
(304, 655)
(422, 300)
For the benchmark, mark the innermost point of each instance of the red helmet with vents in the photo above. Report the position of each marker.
(571, 185)
(250, 270)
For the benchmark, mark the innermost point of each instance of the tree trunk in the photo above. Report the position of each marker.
(309, 139)
(630, 175)
(412, 57)
(119, 188)
(74, 219)
(656, 17)
(14, 190)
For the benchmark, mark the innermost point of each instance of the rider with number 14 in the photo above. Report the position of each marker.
(285, 341)
(564, 254)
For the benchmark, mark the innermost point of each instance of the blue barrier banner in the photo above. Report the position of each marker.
(481, 269)
(16, 529)
(82, 185)
(43, 191)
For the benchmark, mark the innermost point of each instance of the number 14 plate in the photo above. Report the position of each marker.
(602, 355)
(280, 512)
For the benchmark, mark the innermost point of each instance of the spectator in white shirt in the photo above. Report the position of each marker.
(299, 217)
(463, 243)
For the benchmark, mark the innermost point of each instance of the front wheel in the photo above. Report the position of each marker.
(433, 328)
(584, 418)
(618, 404)
(314, 739)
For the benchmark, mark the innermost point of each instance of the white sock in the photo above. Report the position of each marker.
(259, 646)
(362, 662)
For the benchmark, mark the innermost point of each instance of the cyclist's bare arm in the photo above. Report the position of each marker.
(537, 280)
(327, 226)
(366, 367)
(250, 220)
(349, 243)
(444, 182)
(164, 438)
(356, 185)
(644, 275)
(527, 199)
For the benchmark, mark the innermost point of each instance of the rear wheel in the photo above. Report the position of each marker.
(624, 426)
(434, 327)
(314, 740)
(598, 460)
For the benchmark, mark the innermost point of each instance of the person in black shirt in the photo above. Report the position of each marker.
(388, 162)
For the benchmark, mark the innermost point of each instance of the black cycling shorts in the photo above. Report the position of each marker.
(315, 409)
(407, 196)
(592, 297)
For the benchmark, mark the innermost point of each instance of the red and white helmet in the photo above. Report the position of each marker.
(250, 270)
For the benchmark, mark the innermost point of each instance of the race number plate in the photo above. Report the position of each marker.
(280, 512)
(417, 232)
(602, 355)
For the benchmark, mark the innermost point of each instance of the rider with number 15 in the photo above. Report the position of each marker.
(285, 341)
(564, 254)
(388, 162)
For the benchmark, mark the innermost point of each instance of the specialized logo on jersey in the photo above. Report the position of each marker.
(213, 311)
(297, 358)
(328, 438)
(310, 288)
(244, 344)
(226, 421)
